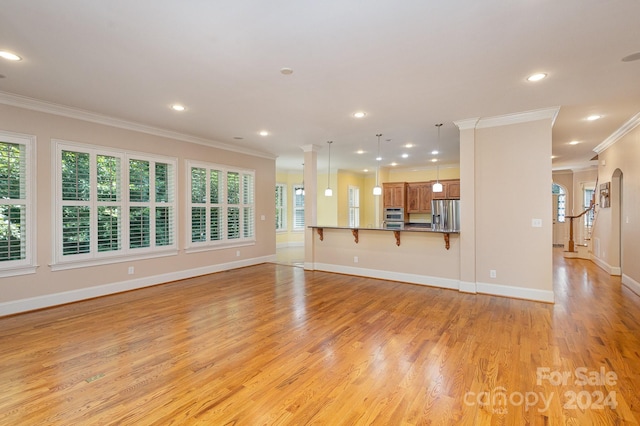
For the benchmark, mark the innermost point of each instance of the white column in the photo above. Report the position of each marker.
(310, 201)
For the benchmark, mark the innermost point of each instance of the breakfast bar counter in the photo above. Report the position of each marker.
(396, 231)
(413, 254)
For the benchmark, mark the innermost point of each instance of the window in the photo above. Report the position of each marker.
(221, 206)
(17, 225)
(588, 195)
(298, 208)
(281, 207)
(354, 206)
(112, 205)
(561, 200)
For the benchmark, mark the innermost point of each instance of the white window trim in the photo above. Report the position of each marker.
(200, 246)
(294, 228)
(126, 254)
(28, 265)
(283, 214)
(353, 207)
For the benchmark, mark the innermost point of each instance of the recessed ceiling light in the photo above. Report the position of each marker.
(177, 107)
(9, 56)
(537, 76)
(264, 133)
(594, 117)
(405, 155)
(409, 145)
(574, 143)
(434, 160)
(394, 164)
(360, 151)
(359, 114)
(378, 158)
(554, 156)
(435, 152)
(286, 71)
(365, 170)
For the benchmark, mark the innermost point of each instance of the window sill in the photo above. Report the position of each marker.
(61, 266)
(219, 246)
(19, 270)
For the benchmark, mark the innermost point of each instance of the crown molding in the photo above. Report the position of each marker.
(311, 148)
(504, 120)
(631, 124)
(466, 124)
(80, 114)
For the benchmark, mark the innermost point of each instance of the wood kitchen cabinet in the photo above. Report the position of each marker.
(419, 197)
(394, 195)
(450, 190)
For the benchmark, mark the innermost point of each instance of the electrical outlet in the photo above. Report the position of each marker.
(131, 270)
(536, 223)
(492, 273)
(355, 259)
(263, 217)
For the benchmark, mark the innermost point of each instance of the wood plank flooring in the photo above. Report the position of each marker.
(276, 345)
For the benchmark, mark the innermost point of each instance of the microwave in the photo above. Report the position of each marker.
(395, 214)
(394, 225)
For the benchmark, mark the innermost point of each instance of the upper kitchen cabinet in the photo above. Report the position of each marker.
(450, 190)
(394, 195)
(419, 197)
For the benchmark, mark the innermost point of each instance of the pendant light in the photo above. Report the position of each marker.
(328, 192)
(377, 190)
(437, 187)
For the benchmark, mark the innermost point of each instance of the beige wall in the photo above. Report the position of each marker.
(617, 229)
(512, 187)
(46, 286)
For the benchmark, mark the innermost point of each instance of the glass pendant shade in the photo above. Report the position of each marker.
(377, 190)
(328, 192)
(437, 187)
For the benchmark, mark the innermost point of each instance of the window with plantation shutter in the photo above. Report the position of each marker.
(17, 173)
(281, 207)
(298, 208)
(221, 205)
(354, 206)
(112, 206)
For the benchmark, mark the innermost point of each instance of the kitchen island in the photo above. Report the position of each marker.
(414, 254)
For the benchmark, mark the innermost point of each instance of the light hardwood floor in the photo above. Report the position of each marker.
(273, 344)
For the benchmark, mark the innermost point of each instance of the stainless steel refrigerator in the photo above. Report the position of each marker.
(445, 215)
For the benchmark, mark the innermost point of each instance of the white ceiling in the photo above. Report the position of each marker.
(408, 63)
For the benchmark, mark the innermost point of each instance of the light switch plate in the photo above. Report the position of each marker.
(536, 223)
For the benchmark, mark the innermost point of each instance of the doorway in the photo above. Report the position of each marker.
(559, 203)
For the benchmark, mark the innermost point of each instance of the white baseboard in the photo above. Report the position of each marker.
(468, 287)
(389, 275)
(611, 270)
(631, 284)
(48, 300)
(516, 292)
